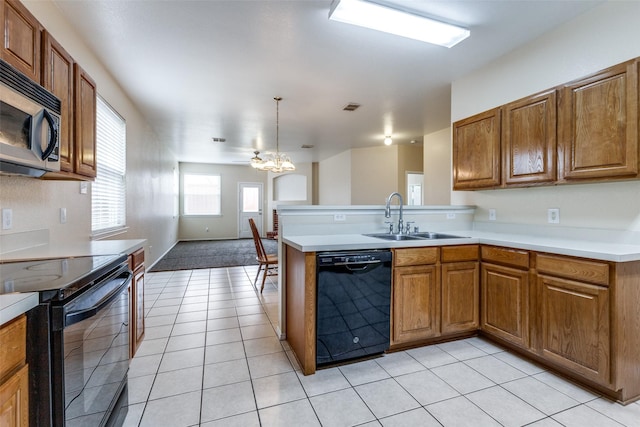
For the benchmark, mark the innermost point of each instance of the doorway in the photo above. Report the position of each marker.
(249, 206)
(415, 182)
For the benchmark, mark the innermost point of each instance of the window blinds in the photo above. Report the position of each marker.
(108, 195)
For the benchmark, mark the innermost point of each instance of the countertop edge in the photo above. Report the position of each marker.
(13, 305)
(603, 251)
(94, 247)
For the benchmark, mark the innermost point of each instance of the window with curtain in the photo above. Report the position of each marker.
(201, 194)
(108, 192)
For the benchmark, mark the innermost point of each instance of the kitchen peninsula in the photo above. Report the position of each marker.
(568, 302)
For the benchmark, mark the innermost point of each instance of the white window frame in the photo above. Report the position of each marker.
(213, 194)
(108, 191)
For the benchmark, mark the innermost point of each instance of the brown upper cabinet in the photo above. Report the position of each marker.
(85, 123)
(529, 140)
(63, 77)
(20, 39)
(32, 50)
(476, 151)
(583, 131)
(57, 78)
(598, 127)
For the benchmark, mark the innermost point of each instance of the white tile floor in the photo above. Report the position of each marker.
(211, 358)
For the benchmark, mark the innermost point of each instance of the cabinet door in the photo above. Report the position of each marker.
(85, 123)
(460, 297)
(57, 77)
(476, 151)
(416, 304)
(575, 326)
(529, 140)
(20, 39)
(598, 125)
(138, 277)
(505, 303)
(14, 399)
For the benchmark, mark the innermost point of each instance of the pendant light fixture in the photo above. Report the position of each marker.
(278, 162)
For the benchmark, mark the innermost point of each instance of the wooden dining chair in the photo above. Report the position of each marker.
(267, 263)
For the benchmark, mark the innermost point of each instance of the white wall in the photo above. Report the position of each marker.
(224, 226)
(150, 189)
(437, 168)
(374, 174)
(334, 176)
(605, 36)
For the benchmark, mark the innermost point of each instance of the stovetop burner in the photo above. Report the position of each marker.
(53, 274)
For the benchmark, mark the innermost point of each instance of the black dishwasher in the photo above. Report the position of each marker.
(353, 304)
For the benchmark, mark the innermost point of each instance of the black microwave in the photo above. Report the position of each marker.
(29, 125)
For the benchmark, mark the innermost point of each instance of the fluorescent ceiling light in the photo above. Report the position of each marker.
(394, 21)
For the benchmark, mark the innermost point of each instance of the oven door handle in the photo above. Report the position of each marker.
(79, 315)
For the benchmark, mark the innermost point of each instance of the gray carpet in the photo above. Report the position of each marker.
(212, 254)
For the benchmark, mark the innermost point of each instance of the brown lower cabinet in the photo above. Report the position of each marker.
(415, 309)
(460, 297)
(14, 374)
(575, 330)
(577, 316)
(435, 293)
(136, 301)
(505, 303)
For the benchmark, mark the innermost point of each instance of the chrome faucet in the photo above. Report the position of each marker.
(387, 210)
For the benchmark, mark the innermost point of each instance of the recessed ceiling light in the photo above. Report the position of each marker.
(398, 22)
(388, 140)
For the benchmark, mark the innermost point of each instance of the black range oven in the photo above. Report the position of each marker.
(77, 337)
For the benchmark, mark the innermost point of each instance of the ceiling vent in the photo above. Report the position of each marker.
(306, 146)
(219, 139)
(352, 106)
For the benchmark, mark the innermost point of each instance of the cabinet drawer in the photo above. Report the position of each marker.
(415, 256)
(572, 268)
(459, 253)
(136, 259)
(513, 257)
(13, 337)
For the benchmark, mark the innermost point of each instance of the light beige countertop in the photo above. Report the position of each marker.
(594, 249)
(66, 250)
(13, 305)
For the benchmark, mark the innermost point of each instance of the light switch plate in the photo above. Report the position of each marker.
(492, 214)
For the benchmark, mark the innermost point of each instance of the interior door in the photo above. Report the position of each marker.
(249, 206)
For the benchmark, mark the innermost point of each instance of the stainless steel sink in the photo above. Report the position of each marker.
(432, 235)
(428, 235)
(387, 236)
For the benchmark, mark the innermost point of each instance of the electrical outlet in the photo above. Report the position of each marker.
(553, 216)
(492, 214)
(7, 219)
(83, 187)
(451, 215)
(63, 215)
(339, 217)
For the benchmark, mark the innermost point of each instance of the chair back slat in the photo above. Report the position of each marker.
(262, 256)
